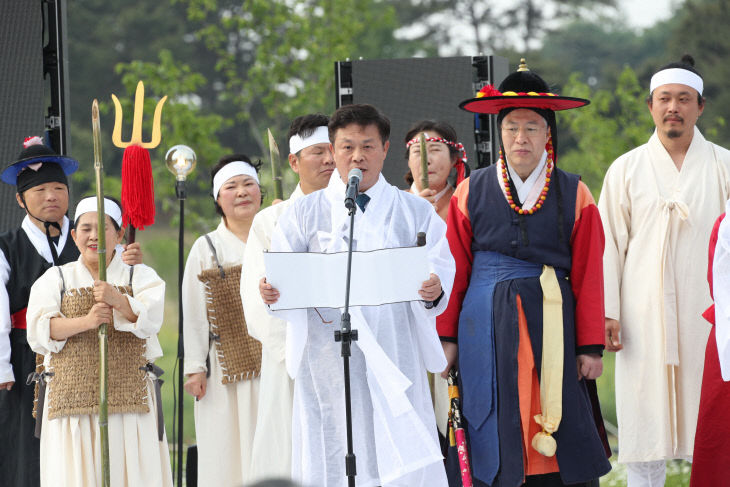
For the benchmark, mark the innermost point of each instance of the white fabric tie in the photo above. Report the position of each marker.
(670, 209)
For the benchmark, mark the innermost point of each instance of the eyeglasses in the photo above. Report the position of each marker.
(531, 131)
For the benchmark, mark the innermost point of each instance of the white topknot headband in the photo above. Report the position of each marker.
(676, 75)
(232, 169)
(319, 136)
(88, 205)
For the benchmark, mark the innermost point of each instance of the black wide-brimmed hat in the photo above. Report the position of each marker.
(521, 89)
(34, 151)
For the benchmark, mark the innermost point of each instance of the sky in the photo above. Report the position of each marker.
(641, 14)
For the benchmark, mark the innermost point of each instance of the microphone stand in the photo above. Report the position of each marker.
(346, 336)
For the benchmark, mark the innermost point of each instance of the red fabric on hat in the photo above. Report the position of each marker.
(138, 190)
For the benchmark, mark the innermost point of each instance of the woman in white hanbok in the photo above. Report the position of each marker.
(226, 395)
(70, 443)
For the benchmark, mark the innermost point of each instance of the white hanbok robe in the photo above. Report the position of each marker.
(70, 445)
(394, 429)
(657, 222)
(276, 390)
(225, 418)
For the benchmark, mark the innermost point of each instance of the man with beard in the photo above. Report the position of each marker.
(658, 205)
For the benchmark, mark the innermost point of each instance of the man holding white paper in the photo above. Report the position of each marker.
(394, 428)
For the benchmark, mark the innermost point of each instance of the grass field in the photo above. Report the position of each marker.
(160, 252)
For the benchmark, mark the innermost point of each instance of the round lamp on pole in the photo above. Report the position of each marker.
(180, 160)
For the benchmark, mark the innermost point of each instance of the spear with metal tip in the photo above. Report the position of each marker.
(275, 175)
(424, 160)
(102, 331)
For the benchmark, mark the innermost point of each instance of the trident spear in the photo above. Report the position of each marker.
(424, 160)
(275, 176)
(101, 252)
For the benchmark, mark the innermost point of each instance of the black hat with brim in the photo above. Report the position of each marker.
(495, 104)
(34, 154)
(521, 89)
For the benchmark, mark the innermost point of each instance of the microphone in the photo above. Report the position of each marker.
(353, 185)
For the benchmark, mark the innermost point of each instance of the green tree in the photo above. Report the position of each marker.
(469, 27)
(275, 59)
(701, 30)
(615, 122)
(183, 122)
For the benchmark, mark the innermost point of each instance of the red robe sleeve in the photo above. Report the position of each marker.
(709, 313)
(586, 274)
(459, 235)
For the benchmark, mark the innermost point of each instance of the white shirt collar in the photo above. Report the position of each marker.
(38, 238)
(523, 187)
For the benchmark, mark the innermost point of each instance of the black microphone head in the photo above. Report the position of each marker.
(354, 173)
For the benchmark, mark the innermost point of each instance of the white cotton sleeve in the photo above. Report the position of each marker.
(288, 237)
(195, 315)
(6, 369)
(148, 303)
(440, 260)
(441, 263)
(615, 209)
(44, 303)
(270, 331)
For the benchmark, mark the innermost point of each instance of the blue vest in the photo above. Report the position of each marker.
(509, 251)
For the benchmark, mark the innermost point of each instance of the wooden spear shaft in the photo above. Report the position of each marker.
(275, 173)
(102, 331)
(424, 161)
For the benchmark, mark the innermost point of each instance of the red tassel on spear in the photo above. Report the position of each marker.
(138, 193)
(138, 189)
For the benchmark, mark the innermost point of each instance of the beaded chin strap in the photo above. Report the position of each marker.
(459, 165)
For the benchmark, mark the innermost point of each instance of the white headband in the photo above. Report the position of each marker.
(676, 75)
(230, 170)
(320, 135)
(88, 205)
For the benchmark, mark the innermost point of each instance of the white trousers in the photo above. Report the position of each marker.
(646, 474)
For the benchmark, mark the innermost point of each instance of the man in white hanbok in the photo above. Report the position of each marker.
(394, 428)
(311, 158)
(658, 205)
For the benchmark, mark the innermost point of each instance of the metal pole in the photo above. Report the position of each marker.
(346, 335)
(180, 190)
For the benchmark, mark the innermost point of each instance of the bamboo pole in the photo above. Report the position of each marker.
(275, 173)
(424, 161)
(102, 331)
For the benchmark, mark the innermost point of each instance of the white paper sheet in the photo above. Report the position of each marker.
(316, 280)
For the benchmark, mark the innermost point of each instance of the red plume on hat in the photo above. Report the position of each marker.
(138, 193)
